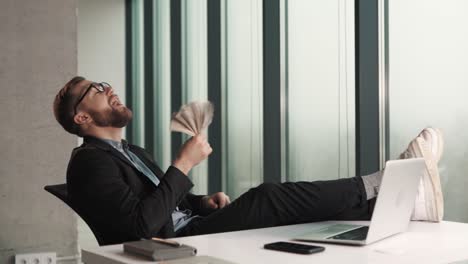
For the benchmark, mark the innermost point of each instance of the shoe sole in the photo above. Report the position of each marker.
(434, 136)
(431, 182)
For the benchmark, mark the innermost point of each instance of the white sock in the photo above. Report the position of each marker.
(372, 184)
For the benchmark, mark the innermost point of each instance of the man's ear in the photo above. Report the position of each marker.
(82, 118)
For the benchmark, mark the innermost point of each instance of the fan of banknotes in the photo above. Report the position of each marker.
(193, 118)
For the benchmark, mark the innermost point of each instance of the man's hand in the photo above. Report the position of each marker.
(215, 201)
(194, 151)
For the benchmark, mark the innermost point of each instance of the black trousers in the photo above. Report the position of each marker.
(272, 204)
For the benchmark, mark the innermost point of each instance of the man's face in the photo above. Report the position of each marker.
(102, 105)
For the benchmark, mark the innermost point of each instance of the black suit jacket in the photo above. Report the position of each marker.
(120, 201)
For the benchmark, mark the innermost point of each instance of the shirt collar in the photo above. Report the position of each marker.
(119, 145)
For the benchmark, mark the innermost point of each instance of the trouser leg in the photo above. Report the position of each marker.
(288, 203)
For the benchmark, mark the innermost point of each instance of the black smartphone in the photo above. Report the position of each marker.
(294, 248)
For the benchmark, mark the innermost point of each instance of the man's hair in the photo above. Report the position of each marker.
(64, 106)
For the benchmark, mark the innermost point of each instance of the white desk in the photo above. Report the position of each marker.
(423, 243)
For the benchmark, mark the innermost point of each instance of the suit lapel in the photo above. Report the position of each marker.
(104, 146)
(150, 164)
(121, 156)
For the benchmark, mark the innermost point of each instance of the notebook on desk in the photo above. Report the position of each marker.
(198, 260)
(159, 251)
(169, 252)
(392, 210)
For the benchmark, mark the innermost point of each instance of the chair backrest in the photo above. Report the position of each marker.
(60, 191)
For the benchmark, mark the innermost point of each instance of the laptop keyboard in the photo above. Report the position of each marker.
(355, 234)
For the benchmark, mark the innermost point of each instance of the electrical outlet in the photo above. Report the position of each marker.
(36, 258)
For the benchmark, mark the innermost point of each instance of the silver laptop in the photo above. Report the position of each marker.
(392, 211)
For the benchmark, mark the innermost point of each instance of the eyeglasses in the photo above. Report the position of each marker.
(100, 87)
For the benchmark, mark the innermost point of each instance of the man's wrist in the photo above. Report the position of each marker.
(182, 165)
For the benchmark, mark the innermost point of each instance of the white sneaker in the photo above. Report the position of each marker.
(429, 204)
(435, 140)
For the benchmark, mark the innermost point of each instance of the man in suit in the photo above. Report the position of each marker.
(126, 196)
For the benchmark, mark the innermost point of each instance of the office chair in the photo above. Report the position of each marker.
(60, 191)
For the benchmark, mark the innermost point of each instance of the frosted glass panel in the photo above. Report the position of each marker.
(320, 90)
(162, 82)
(242, 95)
(194, 71)
(428, 65)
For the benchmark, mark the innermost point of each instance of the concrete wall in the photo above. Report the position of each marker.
(38, 54)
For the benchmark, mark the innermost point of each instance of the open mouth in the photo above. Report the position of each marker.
(115, 101)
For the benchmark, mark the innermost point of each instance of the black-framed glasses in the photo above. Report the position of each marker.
(100, 87)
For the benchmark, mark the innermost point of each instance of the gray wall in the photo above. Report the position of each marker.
(38, 54)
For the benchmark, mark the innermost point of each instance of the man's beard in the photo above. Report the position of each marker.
(112, 117)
